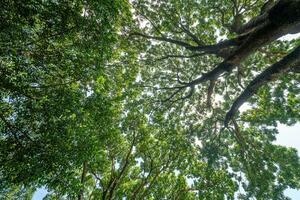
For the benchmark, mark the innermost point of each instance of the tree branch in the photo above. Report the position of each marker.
(208, 49)
(210, 92)
(118, 178)
(190, 34)
(180, 56)
(286, 64)
(144, 181)
(166, 39)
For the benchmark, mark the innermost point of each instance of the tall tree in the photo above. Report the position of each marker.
(139, 100)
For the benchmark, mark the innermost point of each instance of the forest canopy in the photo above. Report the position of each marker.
(148, 99)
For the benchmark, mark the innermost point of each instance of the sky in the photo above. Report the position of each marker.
(290, 137)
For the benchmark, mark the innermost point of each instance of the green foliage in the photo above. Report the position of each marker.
(16, 192)
(82, 111)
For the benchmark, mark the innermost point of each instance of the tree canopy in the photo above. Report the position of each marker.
(145, 99)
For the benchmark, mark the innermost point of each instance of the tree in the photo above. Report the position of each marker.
(277, 20)
(16, 192)
(53, 56)
(204, 59)
(139, 100)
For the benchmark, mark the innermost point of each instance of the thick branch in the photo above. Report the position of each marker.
(265, 34)
(286, 64)
(210, 92)
(217, 49)
(253, 23)
(268, 27)
(296, 69)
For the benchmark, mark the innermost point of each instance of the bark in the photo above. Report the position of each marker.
(296, 69)
(219, 49)
(289, 62)
(272, 29)
(83, 175)
(275, 21)
(253, 23)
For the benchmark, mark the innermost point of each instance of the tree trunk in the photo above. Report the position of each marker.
(83, 175)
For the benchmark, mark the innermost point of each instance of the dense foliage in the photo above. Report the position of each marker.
(113, 99)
